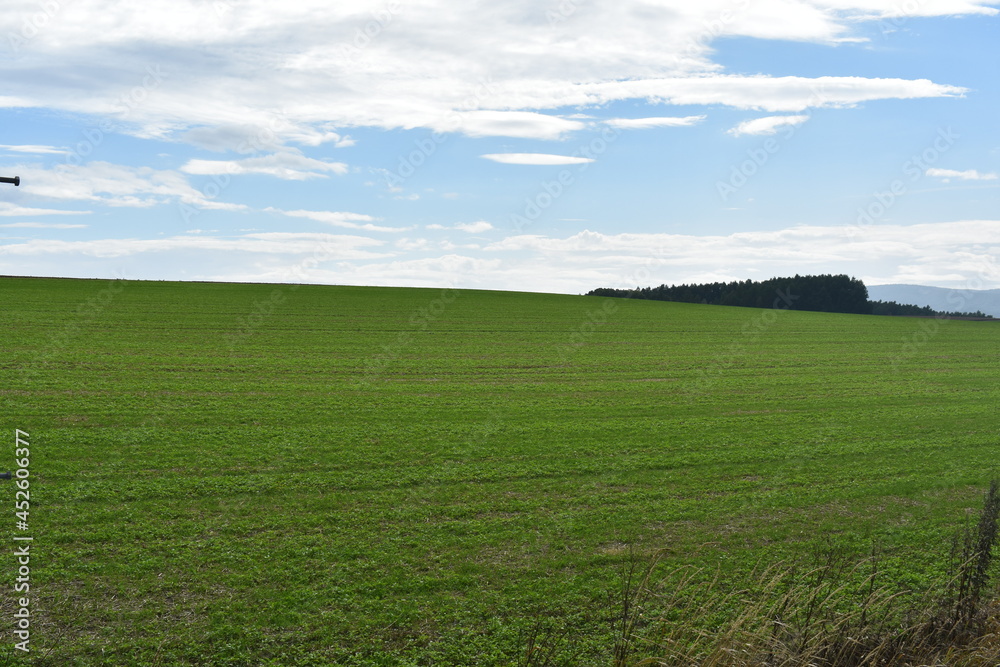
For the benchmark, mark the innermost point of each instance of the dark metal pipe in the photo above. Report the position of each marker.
(5, 475)
(16, 180)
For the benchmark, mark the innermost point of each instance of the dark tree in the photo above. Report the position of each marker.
(829, 293)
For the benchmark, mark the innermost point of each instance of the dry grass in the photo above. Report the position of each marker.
(838, 614)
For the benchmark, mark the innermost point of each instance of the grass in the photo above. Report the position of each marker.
(839, 612)
(277, 475)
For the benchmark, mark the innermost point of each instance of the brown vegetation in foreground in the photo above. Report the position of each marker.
(837, 614)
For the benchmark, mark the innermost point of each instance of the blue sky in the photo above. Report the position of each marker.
(534, 146)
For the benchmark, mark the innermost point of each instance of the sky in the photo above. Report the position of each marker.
(530, 145)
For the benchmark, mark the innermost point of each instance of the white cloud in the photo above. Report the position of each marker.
(474, 227)
(521, 124)
(967, 175)
(261, 81)
(646, 123)
(35, 149)
(118, 185)
(329, 245)
(477, 227)
(877, 9)
(42, 225)
(341, 219)
(954, 254)
(777, 94)
(448, 269)
(295, 72)
(287, 165)
(268, 133)
(767, 125)
(537, 159)
(411, 245)
(10, 210)
(449, 246)
(964, 249)
(316, 137)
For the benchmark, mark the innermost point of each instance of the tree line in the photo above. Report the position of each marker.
(825, 293)
(893, 308)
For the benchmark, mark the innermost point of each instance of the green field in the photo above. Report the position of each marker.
(277, 475)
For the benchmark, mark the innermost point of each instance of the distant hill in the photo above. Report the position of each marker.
(939, 298)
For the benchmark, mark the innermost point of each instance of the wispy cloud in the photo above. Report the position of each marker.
(520, 124)
(332, 246)
(268, 134)
(947, 254)
(10, 210)
(35, 149)
(119, 186)
(952, 253)
(42, 225)
(477, 227)
(537, 159)
(880, 10)
(341, 219)
(959, 250)
(967, 175)
(288, 165)
(646, 123)
(767, 125)
(474, 227)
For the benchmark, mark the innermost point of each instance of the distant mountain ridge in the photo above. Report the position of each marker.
(939, 298)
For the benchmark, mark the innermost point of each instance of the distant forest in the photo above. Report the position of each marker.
(824, 293)
(893, 308)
